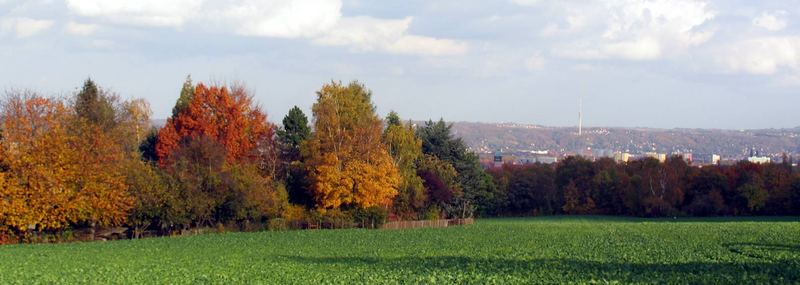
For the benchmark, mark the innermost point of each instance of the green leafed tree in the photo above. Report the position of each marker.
(187, 93)
(294, 132)
(95, 106)
(477, 185)
(406, 150)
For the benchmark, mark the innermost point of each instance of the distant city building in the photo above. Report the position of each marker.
(546, 159)
(756, 157)
(661, 157)
(715, 158)
(601, 153)
(759, 159)
(687, 156)
(622, 157)
(498, 159)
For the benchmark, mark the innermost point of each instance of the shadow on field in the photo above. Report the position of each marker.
(787, 271)
(764, 251)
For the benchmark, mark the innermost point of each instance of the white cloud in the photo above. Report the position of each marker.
(80, 29)
(765, 55)
(640, 30)
(283, 18)
(24, 27)
(774, 21)
(159, 13)
(318, 20)
(372, 34)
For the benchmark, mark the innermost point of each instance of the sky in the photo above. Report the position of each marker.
(728, 64)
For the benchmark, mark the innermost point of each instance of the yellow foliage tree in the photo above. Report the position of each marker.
(38, 154)
(59, 170)
(348, 163)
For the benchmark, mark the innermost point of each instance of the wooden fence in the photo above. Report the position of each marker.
(426, 224)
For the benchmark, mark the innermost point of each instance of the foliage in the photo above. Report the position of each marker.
(371, 217)
(61, 169)
(294, 132)
(95, 105)
(226, 115)
(348, 163)
(186, 96)
(291, 136)
(406, 150)
(646, 187)
(478, 187)
(150, 191)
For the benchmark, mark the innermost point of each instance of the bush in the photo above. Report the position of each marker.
(371, 217)
(295, 216)
(433, 213)
(7, 236)
(278, 224)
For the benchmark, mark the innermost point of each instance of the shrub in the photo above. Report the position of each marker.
(370, 217)
(278, 224)
(7, 236)
(433, 213)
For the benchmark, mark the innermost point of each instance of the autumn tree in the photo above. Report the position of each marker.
(133, 125)
(225, 115)
(57, 176)
(109, 131)
(529, 188)
(440, 179)
(348, 163)
(196, 170)
(38, 152)
(705, 192)
(150, 191)
(406, 150)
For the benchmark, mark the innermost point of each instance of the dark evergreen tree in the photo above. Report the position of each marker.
(187, 93)
(291, 135)
(295, 130)
(94, 105)
(148, 147)
(393, 119)
(477, 185)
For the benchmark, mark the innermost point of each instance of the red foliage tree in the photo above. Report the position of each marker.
(226, 115)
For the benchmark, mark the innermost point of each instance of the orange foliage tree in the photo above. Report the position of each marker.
(226, 115)
(349, 164)
(55, 176)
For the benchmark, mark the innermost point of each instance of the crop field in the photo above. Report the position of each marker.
(532, 250)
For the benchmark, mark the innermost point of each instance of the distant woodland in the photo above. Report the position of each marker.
(93, 161)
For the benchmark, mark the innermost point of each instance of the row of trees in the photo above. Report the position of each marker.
(94, 160)
(647, 188)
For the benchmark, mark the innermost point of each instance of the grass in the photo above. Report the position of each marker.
(530, 250)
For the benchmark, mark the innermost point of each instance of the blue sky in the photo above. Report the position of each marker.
(650, 63)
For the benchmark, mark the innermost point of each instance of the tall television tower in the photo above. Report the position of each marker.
(580, 116)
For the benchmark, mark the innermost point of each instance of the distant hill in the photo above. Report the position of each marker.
(511, 137)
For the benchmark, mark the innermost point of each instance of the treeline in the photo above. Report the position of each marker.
(94, 161)
(647, 188)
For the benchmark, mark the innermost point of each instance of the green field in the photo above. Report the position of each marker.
(536, 250)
